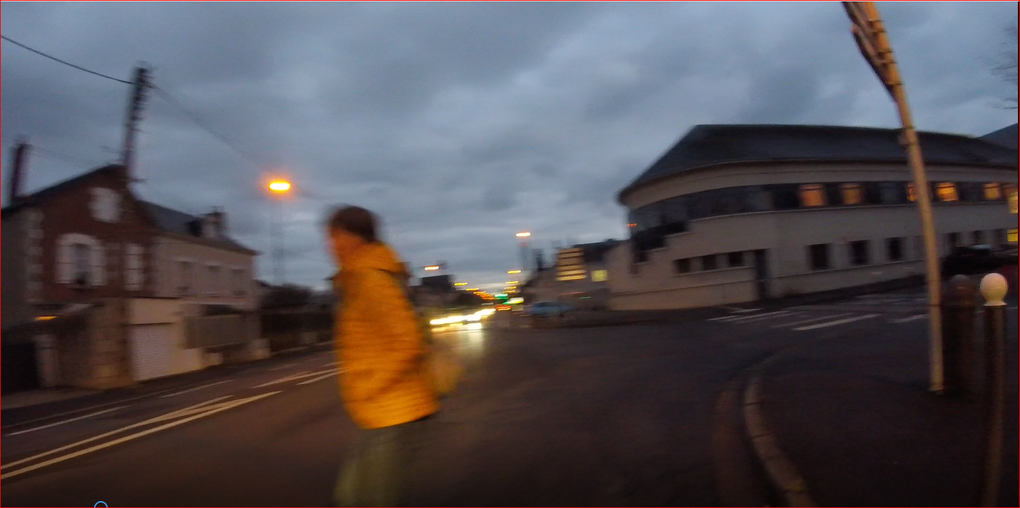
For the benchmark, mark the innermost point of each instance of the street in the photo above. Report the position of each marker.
(622, 415)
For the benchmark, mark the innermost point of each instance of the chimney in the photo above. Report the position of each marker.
(17, 171)
(214, 224)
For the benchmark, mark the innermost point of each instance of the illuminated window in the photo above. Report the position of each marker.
(1011, 194)
(947, 192)
(993, 192)
(911, 193)
(812, 195)
(599, 275)
(852, 193)
(1011, 236)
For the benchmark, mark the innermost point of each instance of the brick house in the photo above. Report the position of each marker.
(88, 294)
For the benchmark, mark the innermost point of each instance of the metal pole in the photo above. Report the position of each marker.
(993, 288)
(923, 193)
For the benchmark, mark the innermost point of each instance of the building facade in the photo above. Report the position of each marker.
(90, 292)
(737, 213)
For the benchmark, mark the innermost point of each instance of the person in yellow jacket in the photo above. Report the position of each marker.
(380, 348)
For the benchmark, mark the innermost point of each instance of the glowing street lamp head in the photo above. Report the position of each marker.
(279, 186)
(432, 268)
(513, 272)
(524, 234)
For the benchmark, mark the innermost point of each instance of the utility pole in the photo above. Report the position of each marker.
(139, 88)
(869, 32)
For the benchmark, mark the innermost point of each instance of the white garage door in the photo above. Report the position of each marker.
(151, 351)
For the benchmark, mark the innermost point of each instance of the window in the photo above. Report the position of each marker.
(946, 192)
(184, 274)
(82, 264)
(709, 262)
(999, 237)
(953, 240)
(784, 197)
(892, 193)
(599, 275)
(133, 276)
(215, 285)
(852, 194)
(859, 253)
(993, 192)
(818, 256)
(1009, 190)
(911, 192)
(811, 195)
(239, 285)
(894, 249)
(735, 259)
(682, 265)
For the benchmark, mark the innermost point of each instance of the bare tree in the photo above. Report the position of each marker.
(1007, 67)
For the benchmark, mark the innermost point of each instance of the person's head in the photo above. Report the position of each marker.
(351, 227)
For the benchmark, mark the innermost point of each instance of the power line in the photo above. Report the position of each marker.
(54, 155)
(198, 121)
(55, 59)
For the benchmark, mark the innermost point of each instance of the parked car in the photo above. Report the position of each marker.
(547, 309)
(976, 260)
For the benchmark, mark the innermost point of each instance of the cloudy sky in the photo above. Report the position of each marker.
(459, 123)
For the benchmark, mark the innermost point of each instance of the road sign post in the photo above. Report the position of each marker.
(869, 32)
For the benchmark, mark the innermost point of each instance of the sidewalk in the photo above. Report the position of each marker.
(854, 417)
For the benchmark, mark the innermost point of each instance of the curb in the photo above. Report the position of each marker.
(782, 474)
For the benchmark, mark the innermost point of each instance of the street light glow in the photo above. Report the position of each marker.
(432, 268)
(279, 186)
(524, 234)
(460, 283)
(511, 282)
(513, 272)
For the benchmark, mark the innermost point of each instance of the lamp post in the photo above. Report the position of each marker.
(279, 188)
(524, 235)
(869, 33)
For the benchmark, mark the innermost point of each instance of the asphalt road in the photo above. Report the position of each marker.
(624, 415)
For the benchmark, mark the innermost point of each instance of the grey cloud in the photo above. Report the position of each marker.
(460, 123)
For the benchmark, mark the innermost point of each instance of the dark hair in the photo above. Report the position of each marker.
(356, 220)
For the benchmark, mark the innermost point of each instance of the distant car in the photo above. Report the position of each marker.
(547, 309)
(977, 259)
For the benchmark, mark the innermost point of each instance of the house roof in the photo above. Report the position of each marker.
(57, 188)
(174, 221)
(1006, 136)
(166, 219)
(710, 145)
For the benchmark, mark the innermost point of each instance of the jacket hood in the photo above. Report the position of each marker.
(378, 256)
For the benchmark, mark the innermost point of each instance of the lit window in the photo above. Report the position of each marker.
(1011, 236)
(599, 275)
(947, 192)
(993, 192)
(911, 193)
(852, 193)
(812, 195)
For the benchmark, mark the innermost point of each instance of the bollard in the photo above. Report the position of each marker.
(993, 289)
(959, 304)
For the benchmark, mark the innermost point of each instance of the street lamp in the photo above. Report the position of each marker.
(524, 235)
(278, 187)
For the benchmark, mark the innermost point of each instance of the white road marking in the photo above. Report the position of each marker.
(132, 437)
(911, 318)
(757, 316)
(170, 415)
(196, 388)
(66, 421)
(300, 375)
(767, 317)
(806, 321)
(320, 378)
(834, 323)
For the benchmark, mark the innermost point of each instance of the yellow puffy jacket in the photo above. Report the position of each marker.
(379, 343)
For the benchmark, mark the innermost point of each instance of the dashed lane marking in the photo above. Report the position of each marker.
(189, 390)
(806, 321)
(97, 413)
(300, 375)
(835, 323)
(910, 318)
